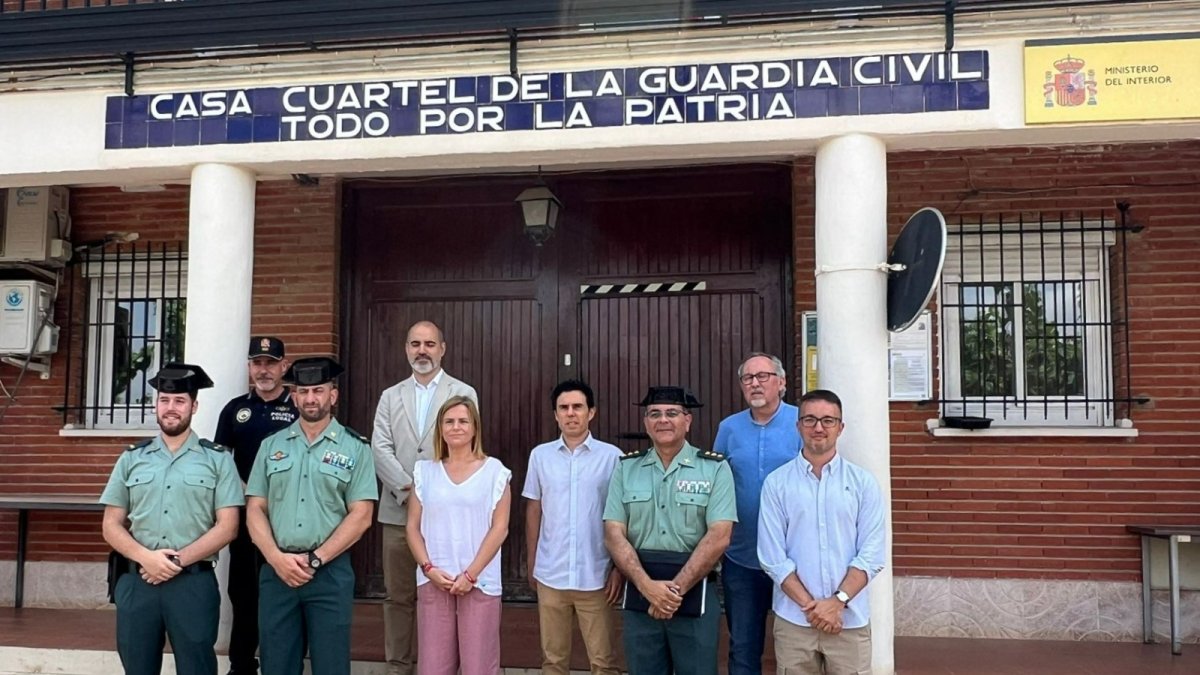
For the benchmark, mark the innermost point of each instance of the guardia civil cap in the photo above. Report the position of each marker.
(670, 396)
(311, 371)
(264, 345)
(180, 378)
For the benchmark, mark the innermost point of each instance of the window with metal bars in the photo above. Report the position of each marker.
(129, 309)
(1030, 310)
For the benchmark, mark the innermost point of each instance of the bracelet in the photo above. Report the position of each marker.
(426, 566)
(470, 578)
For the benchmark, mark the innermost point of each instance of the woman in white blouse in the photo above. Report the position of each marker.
(457, 520)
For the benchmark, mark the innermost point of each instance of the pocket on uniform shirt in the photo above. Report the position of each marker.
(201, 480)
(695, 511)
(137, 483)
(275, 467)
(335, 472)
(639, 509)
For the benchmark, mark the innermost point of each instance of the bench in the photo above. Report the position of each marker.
(23, 504)
(1174, 535)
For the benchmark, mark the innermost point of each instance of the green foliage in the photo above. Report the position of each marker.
(1052, 353)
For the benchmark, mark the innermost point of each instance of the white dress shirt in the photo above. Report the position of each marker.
(572, 486)
(424, 397)
(819, 528)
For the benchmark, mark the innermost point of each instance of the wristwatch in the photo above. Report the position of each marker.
(175, 560)
(842, 597)
(313, 561)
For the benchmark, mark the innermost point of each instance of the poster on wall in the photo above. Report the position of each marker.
(808, 348)
(910, 355)
(1112, 79)
(910, 359)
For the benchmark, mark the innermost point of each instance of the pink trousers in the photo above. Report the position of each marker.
(457, 631)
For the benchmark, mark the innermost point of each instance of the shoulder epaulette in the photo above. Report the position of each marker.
(205, 443)
(709, 454)
(140, 444)
(354, 434)
(632, 454)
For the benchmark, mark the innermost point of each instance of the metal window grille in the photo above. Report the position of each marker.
(128, 309)
(1034, 325)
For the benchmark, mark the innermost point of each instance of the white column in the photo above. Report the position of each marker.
(219, 283)
(851, 240)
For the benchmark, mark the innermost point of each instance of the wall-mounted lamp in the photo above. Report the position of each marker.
(540, 208)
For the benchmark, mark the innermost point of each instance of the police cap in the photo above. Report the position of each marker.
(263, 345)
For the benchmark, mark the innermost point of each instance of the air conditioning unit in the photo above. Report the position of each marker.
(36, 225)
(23, 304)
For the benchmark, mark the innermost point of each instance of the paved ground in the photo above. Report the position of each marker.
(80, 642)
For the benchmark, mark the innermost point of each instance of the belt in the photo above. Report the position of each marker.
(194, 568)
(301, 551)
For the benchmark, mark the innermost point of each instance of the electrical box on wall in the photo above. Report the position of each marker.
(23, 306)
(36, 225)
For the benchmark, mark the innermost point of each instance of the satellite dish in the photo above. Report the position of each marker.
(916, 263)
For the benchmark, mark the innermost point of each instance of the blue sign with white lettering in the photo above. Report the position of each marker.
(611, 97)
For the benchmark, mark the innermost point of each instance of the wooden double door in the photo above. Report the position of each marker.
(652, 277)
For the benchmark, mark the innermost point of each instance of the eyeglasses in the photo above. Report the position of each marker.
(826, 422)
(659, 414)
(761, 377)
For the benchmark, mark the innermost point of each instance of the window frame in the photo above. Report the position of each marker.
(1059, 253)
(159, 279)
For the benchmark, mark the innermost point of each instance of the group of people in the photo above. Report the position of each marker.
(773, 512)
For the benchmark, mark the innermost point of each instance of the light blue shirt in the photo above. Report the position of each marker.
(754, 450)
(819, 528)
(572, 486)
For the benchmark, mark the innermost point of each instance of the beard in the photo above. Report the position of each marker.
(422, 366)
(316, 413)
(266, 384)
(172, 427)
(758, 402)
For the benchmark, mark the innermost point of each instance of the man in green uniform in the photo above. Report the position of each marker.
(668, 518)
(309, 499)
(170, 504)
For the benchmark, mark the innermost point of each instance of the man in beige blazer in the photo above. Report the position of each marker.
(403, 433)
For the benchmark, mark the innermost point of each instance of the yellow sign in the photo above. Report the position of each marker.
(1141, 79)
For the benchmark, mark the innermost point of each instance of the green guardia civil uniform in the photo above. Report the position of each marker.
(171, 500)
(309, 488)
(671, 509)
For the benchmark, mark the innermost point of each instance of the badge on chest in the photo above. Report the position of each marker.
(694, 487)
(338, 459)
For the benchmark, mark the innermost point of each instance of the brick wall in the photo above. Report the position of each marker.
(295, 296)
(1018, 508)
(1053, 508)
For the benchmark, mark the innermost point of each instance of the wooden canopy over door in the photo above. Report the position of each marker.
(653, 277)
